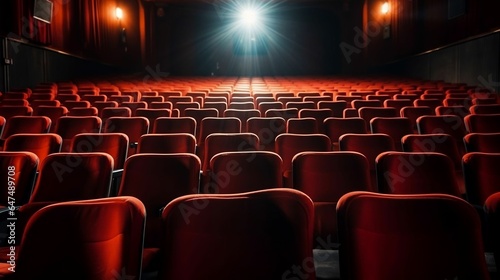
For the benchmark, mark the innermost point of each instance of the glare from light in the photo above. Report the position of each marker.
(119, 13)
(249, 17)
(385, 8)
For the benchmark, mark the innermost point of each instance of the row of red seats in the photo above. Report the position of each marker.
(153, 192)
(201, 123)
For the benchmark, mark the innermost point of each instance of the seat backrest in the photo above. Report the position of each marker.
(226, 142)
(264, 106)
(368, 113)
(299, 105)
(318, 114)
(413, 113)
(336, 127)
(133, 127)
(273, 227)
(287, 145)
(84, 232)
(266, 128)
(283, 113)
(243, 171)
(167, 143)
(369, 145)
(134, 105)
(211, 125)
(176, 125)
(485, 109)
(457, 110)
(337, 107)
(18, 178)
(115, 144)
(416, 173)
(11, 111)
(53, 112)
(358, 104)
(492, 209)
(157, 179)
(199, 114)
(69, 126)
(109, 112)
(482, 123)
(183, 106)
(397, 103)
(438, 143)
(482, 142)
(430, 102)
(301, 126)
(395, 127)
(325, 177)
(152, 114)
(419, 236)
(481, 176)
(42, 144)
(26, 124)
(83, 111)
(61, 177)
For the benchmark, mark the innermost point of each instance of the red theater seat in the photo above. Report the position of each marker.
(167, 143)
(413, 113)
(266, 129)
(319, 115)
(226, 142)
(18, 178)
(485, 109)
(325, 177)
(109, 112)
(156, 179)
(175, 125)
(211, 125)
(484, 123)
(482, 142)
(11, 111)
(409, 237)
(336, 127)
(41, 144)
(133, 127)
(83, 252)
(200, 113)
(272, 227)
(26, 124)
(416, 173)
(492, 209)
(287, 145)
(481, 176)
(395, 127)
(369, 145)
(243, 115)
(69, 126)
(243, 171)
(301, 126)
(337, 107)
(53, 112)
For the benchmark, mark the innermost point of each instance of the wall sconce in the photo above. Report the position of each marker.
(385, 9)
(118, 13)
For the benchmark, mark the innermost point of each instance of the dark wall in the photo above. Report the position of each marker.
(475, 62)
(420, 26)
(33, 64)
(80, 34)
(300, 39)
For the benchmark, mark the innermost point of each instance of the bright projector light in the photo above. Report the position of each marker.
(249, 17)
